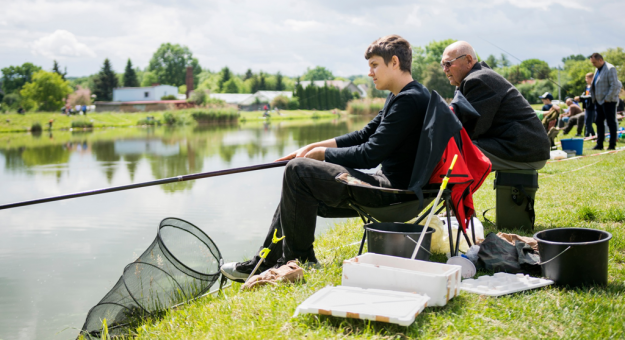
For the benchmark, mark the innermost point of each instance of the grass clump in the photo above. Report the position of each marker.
(365, 106)
(214, 115)
(587, 213)
(82, 124)
(36, 127)
(169, 118)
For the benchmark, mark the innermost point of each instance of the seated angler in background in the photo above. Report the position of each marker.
(309, 187)
(508, 132)
(576, 118)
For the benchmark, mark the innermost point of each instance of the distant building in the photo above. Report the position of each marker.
(137, 94)
(251, 102)
(339, 84)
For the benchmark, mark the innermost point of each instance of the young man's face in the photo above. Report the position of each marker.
(547, 101)
(589, 80)
(380, 72)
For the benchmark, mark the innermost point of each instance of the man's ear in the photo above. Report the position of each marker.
(469, 58)
(395, 62)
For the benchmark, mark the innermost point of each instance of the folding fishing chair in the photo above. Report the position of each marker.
(442, 137)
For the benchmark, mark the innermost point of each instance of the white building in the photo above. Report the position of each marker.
(139, 94)
(230, 98)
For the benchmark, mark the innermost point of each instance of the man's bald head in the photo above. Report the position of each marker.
(458, 59)
(462, 47)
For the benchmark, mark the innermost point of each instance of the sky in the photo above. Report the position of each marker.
(290, 36)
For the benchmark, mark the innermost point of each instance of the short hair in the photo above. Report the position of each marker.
(389, 46)
(596, 56)
(590, 75)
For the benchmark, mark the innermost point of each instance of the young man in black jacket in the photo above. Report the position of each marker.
(309, 186)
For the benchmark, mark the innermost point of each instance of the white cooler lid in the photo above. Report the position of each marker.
(368, 304)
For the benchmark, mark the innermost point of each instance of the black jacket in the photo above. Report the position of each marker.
(508, 127)
(390, 139)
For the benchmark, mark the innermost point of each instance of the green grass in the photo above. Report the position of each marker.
(13, 122)
(587, 192)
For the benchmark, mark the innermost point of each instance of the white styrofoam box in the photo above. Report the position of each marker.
(439, 281)
(366, 304)
(502, 284)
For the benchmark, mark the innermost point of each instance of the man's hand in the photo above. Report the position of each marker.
(318, 153)
(314, 151)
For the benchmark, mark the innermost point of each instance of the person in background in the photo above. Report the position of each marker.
(588, 106)
(84, 109)
(508, 131)
(78, 108)
(576, 118)
(546, 98)
(604, 91)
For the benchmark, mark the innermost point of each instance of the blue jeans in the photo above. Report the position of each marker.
(590, 118)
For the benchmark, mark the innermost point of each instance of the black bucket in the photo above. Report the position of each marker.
(391, 238)
(574, 256)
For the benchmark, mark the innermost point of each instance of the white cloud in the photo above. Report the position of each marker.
(61, 44)
(546, 4)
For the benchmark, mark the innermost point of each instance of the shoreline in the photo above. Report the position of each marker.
(16, 123)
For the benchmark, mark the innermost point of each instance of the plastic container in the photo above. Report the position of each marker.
(557, 154)
(576, 144)
(366, 304)
(502, 284)
(574, 256)
(439, 281)
(391, 238)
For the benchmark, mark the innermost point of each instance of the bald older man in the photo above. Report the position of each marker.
(508, 132)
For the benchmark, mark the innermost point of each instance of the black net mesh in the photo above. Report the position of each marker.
(181, 264)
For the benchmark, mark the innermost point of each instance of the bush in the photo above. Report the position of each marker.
(82, 124)
(169, 97)
(293, 104)
(531, 91)
(280, 102)
(36, 127)
(214, 115)
(149, 120)
(197, 97)
(169, 118)
(365, 106)
(11, 101)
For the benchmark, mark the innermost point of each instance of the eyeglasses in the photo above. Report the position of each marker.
(447, 64)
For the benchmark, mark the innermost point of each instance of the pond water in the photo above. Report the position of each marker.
(58, 259)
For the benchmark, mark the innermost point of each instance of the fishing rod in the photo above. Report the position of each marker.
(147, 184)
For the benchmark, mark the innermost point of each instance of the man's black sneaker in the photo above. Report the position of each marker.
(611, 148)
(240, 271)
(597, 147)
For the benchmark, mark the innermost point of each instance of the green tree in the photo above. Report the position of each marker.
(616, 57)
(230, 86)
(248, 74)
(56, 68)
(434, 50)
(504, 62)
(514, 74)
(422, 57)
(14, 77)
(46, 92)
(226, 75)
(301, 96)
(575, 71)
(130, 76)
(435, 79)
(149, 78)
(491, 61)
(573, 57)
(538, 69)
(279, 83)
(105, 82)
(318, 73)
(262, 84)
(170, 62)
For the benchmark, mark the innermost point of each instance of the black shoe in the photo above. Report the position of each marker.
(240, 271)
(578, 135)
(597, 147)
(611, 148)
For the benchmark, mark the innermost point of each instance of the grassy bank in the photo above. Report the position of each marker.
(568, 191)
(13, 122)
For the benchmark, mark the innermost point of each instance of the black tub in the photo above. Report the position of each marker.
(574, 256)
(389, 238)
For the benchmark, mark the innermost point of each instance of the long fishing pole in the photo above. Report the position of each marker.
(147, 184)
